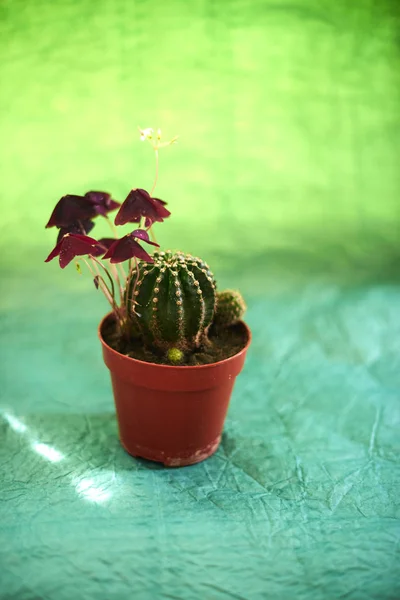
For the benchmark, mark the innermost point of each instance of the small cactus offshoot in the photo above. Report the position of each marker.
(172, 300)
(230, 307)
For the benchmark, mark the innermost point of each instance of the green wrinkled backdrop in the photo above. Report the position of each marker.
(286, 179)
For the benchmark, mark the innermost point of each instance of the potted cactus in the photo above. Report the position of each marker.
(173, 343)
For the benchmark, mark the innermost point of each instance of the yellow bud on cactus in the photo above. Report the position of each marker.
(175, 355)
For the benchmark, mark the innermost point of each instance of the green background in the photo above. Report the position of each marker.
(286, 180)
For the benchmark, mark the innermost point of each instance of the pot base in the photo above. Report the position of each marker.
(183, 460)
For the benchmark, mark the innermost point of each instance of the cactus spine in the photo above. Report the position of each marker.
(230, 307)
(174, 300)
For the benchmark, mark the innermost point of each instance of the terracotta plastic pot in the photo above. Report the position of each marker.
(171, 414)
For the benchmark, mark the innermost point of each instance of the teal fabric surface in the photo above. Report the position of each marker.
(300, 501)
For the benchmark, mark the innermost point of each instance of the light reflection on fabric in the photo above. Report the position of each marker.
(86, 488)
(48, 452)
(14, 423)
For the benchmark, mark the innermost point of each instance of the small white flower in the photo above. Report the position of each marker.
(146, 134)
(155, 140)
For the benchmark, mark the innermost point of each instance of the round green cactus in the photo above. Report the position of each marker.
(230, 307)
(172, 300)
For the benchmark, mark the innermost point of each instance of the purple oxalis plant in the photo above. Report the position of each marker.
(111, 261)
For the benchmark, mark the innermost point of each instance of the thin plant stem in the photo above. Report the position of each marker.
(122, 270)
(96, 273)
(152, 234)
(132, 266)
(103, 286)
(113, 268)
(114, 272)
(118, 310)
(112, 226)
(156, 175)
(107, 273)
(82, 228)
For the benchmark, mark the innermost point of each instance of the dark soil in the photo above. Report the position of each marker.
(221, 344)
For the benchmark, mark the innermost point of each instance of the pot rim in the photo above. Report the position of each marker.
(172, 367)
